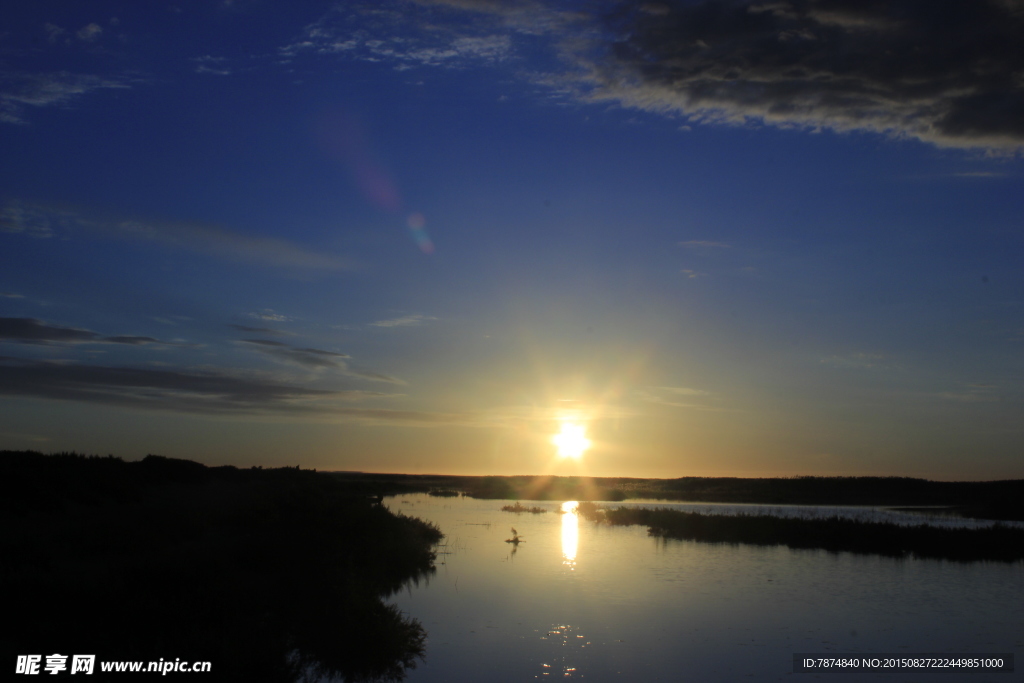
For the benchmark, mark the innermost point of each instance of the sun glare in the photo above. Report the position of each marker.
(571, 441)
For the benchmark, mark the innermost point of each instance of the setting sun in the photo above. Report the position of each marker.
(571, 441)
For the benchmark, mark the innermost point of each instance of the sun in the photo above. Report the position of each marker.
(571, 441)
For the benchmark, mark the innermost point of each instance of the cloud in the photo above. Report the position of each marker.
(204, 392)
(400, 36)
(374, 376)
(670, 396)
(404, 321)
(973, 393)
(11, 295)
(179, 390)
(21, 90)
(406, 417)
(269, 314)
(683, 391)
(314, 359)
(701, 244)
(855, 361)
(89, 33)
(950, 73)
(310, 358)
(32, 331)
(53, 32)
(979, 174)
(259, 330)
(217, 241)
(42, 221)
(17, 218)
(208, 64)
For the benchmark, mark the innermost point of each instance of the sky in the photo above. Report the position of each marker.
(719, 238)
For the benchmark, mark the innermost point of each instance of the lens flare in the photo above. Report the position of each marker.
(417, 228)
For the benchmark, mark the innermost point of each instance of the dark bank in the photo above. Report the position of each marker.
(269, 574)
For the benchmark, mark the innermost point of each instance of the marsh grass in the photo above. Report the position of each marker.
(519, 509)
(443, 493)
(834, 534)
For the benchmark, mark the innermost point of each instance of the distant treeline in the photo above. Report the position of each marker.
(269, 574)
(987, 500)
(998, 543)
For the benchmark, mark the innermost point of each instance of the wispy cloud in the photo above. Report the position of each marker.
(682, 391)
(89, 32)
(215, 66)
(314, 359)
(21, 90)
(404, 417)
(43, 221)
(306, 357)
(390, 33)
(405, 321)
(18, 218)
(259, 330)
(270, 315)
(858, 360)
(971, 393)
(677, 397)
(980, 174)
(11, 295)
(218, 241)
(33, 331)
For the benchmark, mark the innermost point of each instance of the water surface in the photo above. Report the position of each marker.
(578, 600)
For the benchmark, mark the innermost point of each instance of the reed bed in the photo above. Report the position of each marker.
(834, 534)
(519, 508)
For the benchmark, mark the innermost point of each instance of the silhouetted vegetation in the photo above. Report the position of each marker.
(519, 509)
(270, 574)
(979, 499)
(834, 534)
(443, 493)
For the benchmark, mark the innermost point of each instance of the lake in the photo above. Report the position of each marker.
(579, 600)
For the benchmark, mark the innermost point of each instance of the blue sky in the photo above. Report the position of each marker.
(727, 238)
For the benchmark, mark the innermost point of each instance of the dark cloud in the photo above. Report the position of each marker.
(32, 331)
(948, 72)
(133, 341)
(186, 391)
(203, 392)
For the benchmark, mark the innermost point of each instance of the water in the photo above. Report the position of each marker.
(578, 600)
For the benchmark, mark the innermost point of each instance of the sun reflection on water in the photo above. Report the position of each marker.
(566, 654)
(570, 533)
